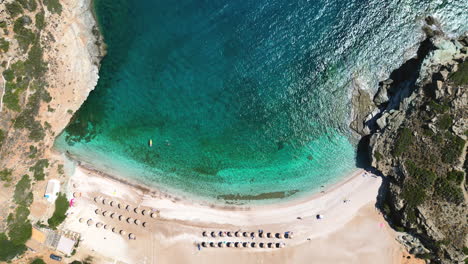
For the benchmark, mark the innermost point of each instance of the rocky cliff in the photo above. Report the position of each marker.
(416, 127)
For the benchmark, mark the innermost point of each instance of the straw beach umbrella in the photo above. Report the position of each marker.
(112, 203)
(278, 235)
(90, 222)
(237, 234)
(144, 224)
(204, 233)
(113, 215)
(136, 210)
(144, 212)
(137, 222)
(130, 220)
(253, 244)
(131, 236)
(154, 215)
(221, 244)
(81, 220)
(120, 206)
(229, 234)
(213, 234)
(245, 234)
(229, 244)
(221, 233)
(237, 244)
(114, 230)
(261, 244)
(106, 227)
(212, 244)
(97, 211)
(105, 213)
(245, 244)
(122, 232)
(253, 235)
(270, 245)
(104, 201)
(99, 225)
(121, 217)
(128, 207)
(268, 235)
(96, 199)
(203, 244)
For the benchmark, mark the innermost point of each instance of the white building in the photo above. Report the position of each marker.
(65, 245)
(52, 190)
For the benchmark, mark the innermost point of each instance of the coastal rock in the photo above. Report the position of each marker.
(410, 142)
(362, 106)
(382, 95)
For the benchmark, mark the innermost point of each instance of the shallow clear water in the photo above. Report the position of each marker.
(242, 99)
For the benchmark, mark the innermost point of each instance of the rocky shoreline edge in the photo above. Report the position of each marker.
(413, 132)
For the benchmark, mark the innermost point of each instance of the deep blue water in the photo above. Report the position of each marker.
(240, 97)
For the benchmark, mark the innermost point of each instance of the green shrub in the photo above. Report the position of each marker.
(61, 207)
(8, 250)
(403, 142)
(11, 96)
(444, 122)
(3, 24)
(14, 8)
(60, 169)
(4, 44)
(438, 108)
(2, 137)
(53, 6)
(423, 176)
(460, 77)
(35, 66)
(40, 22)
(30, 5)
(32, 152)
(455, 176)
(5, 175)
(449, 191)
(38, 261)
(378, 156)
(414, 194)
(38, 169)
(23, 195)
(9, 75)
(23, 35)
(453, 148)
(20, 232)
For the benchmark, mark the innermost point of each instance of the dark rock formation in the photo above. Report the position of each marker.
(417, 141)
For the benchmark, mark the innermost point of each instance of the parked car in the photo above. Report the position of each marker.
(55, 257)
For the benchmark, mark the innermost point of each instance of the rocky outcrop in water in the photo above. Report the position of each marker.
(418, 129)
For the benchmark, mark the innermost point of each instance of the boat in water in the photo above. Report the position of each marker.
(150, 143)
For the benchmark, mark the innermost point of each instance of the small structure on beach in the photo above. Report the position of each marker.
(279, 235)
(229, 244)
(137, 222)
(237, 234)
(131, 236)
(213, 234)
(98, 211)
(81, 220)
(65, 245)
(130, 220)
(154, 215)
(136, 210)
(229, 234)
(90, 222)
(99, 225)
(144, 224)
(221, 244)
(106, 227)
(122, 232)
(245, 234)
(52, 190)
(319, 216)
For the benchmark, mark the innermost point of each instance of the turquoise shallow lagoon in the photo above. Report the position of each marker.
(244, 100)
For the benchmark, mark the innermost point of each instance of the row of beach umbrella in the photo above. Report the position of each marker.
(120, 217)
(129, 208)
(247, 234)
(241, 245)
(122, 232)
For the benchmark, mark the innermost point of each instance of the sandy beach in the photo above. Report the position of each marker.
(168, 230)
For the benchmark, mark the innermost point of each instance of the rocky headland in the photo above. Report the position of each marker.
(49, 58)
(414, 130)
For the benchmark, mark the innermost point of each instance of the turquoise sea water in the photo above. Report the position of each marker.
(242, 99)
